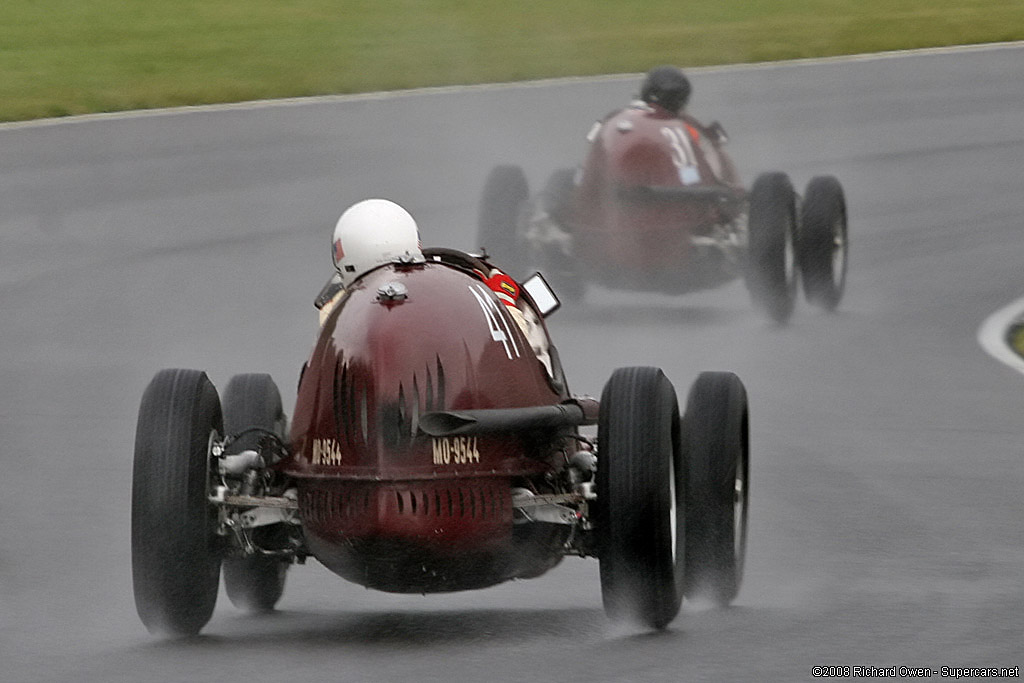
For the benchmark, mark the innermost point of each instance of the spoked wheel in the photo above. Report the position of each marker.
(175, 559)
(641, 497)
(254, 583)
(504, 198)
(823, 242)
(715, 434)
(771, 266)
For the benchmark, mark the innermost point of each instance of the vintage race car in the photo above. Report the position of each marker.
(657, 206)
(431, 450)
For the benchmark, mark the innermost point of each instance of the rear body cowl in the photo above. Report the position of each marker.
(382, 504)
(647, 189)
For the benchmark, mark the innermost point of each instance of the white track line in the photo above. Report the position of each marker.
(992, 335)
(455, 89)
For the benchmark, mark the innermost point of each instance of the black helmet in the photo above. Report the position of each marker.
(666, 86)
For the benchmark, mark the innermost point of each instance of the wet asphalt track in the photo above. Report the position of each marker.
(888, 449)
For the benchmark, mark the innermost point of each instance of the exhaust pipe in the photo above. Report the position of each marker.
(572, 413)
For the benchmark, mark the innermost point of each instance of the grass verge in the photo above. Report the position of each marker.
(1015, 337)
(61, 57)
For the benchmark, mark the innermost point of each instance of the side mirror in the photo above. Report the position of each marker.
(542, 294)
(716, 131)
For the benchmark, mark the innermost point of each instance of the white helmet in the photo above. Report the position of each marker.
(373, 232)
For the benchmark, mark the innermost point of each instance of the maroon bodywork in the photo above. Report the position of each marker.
(384, 505)
(652, 182)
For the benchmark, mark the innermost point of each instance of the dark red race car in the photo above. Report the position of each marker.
(656, 206)
(431, 450)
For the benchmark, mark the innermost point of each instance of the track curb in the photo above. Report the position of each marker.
(1002, 335)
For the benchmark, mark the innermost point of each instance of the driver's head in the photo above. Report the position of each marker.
(666, 86)
(373, 232)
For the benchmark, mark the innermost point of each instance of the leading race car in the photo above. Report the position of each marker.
(432, 450)
(657, 206)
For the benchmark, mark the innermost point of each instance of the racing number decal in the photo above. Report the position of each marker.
(682, 150)
(682, 154)
(497, 320)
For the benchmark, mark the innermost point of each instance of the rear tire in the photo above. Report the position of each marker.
(641, 497)
(175, 559)
(504, 198)
(254, 583)
(823, 242)
(715, 431)
(771, 262)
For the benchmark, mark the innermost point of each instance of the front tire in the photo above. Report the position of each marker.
(823, 242)
(771, 262)
(175, 560)
(640, 489)
(253, 583)
(715, 431)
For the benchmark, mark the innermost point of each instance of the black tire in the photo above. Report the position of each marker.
(823, 242)
(253, 583)
(641, 496)
(560, 268)
(561, 272)
(771, 263)
(717, 447)
(556, 197)
(175, 556)
(504, 198)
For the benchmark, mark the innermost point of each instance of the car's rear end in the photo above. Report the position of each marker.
(381, 503)
(648, 204)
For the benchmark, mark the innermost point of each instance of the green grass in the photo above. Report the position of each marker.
(1015, 337)
(60, 57)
